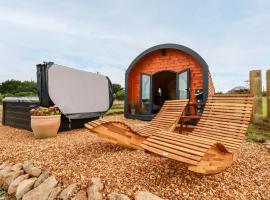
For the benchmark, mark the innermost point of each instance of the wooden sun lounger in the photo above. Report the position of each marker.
(211, 146)
(121, 133)
(225, 119)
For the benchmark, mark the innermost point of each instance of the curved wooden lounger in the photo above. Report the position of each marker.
(202, 155)
(225, 119)
(211, 147)
(121, 133)
(116, 132)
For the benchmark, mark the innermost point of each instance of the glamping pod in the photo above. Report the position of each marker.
(166, 72)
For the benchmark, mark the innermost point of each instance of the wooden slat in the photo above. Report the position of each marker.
(163, 152)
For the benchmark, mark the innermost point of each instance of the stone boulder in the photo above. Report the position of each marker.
(116, 196)
(34, 171)
(30, 169)
(3, 165)
(142, 195)
(41, 178)
(27, 165)
(11, 176)
(55, 192)
(95, 188)
(43, 191)
(17, 167)
(81, 195)
(3, 173)
(24, 187)
(68, 192)
(14, 184)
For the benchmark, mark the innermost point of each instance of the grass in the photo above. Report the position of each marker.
(1, 109)
(117, 108)
(258, 132)
(255, 133)
(2, 192)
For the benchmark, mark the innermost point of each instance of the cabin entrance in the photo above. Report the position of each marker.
(161, 86)
(164, 88)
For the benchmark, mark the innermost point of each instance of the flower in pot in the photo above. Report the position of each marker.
(45, 122)
(133, 104)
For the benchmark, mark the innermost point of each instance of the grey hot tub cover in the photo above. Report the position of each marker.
(78, 94)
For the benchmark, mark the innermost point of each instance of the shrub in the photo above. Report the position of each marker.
(120, 95)
(1, 98)
(43, 111)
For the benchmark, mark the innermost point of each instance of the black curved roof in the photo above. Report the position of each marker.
(179, 47)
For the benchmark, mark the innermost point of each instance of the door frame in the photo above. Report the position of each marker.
(151, 94)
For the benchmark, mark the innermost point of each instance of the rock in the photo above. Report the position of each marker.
(81, 195)
(41, 178)
(17, 167)
(30, 169)
(3, 165)
(141, 195)
(24, 187)
(55, 192)
(68, 192)
(94, 189)
(14, 184)
(267, 146)
(11, 176)
(43, 191)
(33, 171)
(116, 196)
(267, 142)
(27, 165)
(3, 173)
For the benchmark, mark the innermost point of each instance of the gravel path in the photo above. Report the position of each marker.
(77, 156)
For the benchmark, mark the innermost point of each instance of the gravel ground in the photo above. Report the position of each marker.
(78, 155)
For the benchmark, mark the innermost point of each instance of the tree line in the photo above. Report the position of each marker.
(12, 88)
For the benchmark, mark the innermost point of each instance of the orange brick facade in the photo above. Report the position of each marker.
(174, 60)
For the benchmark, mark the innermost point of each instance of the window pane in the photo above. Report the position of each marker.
(183, 85)
(146, 94)
(145, 87)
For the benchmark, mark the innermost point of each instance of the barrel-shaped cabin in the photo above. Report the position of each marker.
(165, 72)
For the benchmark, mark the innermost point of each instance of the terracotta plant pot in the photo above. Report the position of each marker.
(45, 126)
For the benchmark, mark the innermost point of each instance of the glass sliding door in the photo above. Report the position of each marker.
(183, 90)
(146, 94)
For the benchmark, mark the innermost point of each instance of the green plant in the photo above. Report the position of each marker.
(258, 133)
(116, 87)
(43, 111)
(1, 98)
(120, 95)
(2, 192)
(133, 104)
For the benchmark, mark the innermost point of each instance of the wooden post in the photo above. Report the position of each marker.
(268, 93)
(255, 80)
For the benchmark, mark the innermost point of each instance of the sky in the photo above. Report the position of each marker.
(232, 36)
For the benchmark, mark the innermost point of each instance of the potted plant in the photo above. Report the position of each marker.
(45, 122)
(133, 104)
